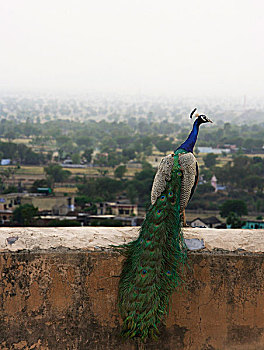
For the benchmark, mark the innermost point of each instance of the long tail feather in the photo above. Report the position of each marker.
(152, 269)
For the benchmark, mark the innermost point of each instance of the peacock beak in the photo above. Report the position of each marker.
(209, 120)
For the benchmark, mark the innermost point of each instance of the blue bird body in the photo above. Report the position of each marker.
(189, 144)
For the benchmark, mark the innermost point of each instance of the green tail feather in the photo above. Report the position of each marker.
(153, 265)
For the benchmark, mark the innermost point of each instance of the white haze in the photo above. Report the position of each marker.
(167, 47)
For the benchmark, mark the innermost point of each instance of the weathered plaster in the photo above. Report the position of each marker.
(94, 238)
(62, 298)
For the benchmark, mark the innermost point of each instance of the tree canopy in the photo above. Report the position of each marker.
(55, 173)
(210, 160)
(24, 214)
(238, 207)
(120, 171)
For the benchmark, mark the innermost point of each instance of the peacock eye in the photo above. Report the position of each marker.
(162, 198)
(143, 273)
(158, 211)
(170, 194)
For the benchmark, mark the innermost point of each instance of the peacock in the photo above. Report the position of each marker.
(154, 261)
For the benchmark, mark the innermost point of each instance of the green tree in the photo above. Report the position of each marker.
(131, 193)
(10, 189)
(205, 188)
(103, 172)
(55, 173)
(253, 182)
(114, 159)
(234, 220)
(10, 135)
(108, 143)
(62, 139)
(76, 158)
(129, 153)
(69, 148)
(236, 206)
(120, 171)
(24, 214)
(100, 189)
(146, 141)
(80, 201)
(87, 154)
(101, 159)
(210, 160)
(39, 183)
(6, 173)
(164, 145)
(206, 174)
(84, 141)
(140, 186)
(86, 204)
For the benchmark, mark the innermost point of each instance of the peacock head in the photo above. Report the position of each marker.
(201, 118)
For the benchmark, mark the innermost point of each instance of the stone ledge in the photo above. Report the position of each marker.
(58, 290)
(94, 238)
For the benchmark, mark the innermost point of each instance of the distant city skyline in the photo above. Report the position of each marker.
(168, 48)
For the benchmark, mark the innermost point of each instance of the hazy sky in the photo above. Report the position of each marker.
(184, 47)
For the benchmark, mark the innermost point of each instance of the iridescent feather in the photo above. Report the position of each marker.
(154, 262)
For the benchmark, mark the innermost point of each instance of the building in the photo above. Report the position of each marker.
(112, 220)
(10, 201)
(216, 186)
(56, 205)
(213, 150)
(5, 216)
(214, 182)
(254, 224)
(155, 160)
(120, 213)
(117, 209)
(5, 161)
(134, 164)
(211, 222)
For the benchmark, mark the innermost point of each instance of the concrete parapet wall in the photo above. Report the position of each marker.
(59, 288)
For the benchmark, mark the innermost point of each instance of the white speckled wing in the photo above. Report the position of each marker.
(188, 164)
(162, 176)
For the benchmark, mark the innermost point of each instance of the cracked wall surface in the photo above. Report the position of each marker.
(63, 298)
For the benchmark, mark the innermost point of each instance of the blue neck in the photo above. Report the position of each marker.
(188, 145)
